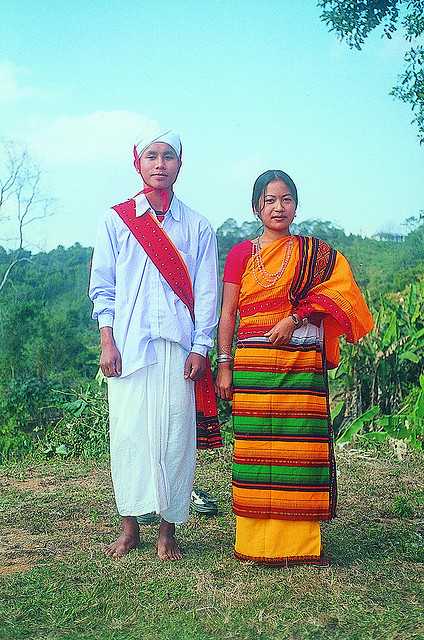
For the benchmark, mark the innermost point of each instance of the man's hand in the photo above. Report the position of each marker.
(195, 367)
(110, 358)
(281, 332)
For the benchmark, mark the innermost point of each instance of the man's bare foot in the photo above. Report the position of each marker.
(167, 545)
(129, 539)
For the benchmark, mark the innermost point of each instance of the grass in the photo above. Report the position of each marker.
(56, 584)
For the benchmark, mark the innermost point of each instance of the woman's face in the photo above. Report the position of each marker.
(277, 207)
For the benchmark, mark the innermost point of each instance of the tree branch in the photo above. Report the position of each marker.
(22, 182)
(9, 269)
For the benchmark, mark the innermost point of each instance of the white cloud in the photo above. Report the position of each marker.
(8, 82)
(102, 137)
(10, 86)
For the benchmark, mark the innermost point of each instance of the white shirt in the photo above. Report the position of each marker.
(130, 295)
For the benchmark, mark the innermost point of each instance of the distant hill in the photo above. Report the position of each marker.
(45, 325)
(379, 266)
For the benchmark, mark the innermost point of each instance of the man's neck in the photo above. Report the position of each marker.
(155, 199)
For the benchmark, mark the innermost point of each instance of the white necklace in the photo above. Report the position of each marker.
(267, 279)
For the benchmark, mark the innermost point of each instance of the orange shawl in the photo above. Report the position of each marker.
(317, 279)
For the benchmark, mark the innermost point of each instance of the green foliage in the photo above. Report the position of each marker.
(354, 20)
(82, 429)
(411, 86)
(13, 442)
(48, 343)
(25, 403)
(352, 429)
(45, 327)
(376, 381)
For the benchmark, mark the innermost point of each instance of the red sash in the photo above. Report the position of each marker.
(166, 257)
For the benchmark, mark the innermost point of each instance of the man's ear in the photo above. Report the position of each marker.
(178, 172)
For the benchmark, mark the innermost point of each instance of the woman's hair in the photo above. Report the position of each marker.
(263, 181)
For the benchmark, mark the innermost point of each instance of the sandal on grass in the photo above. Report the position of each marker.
(148, 518)
(202, 502)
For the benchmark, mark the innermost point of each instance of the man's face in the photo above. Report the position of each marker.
(159, 165)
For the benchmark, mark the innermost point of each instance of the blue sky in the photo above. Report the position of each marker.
(250, 86)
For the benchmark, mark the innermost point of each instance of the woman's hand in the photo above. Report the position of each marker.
(281, 332)
(224, 382)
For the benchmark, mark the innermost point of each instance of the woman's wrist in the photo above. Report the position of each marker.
(295, 320)
(224, 357)
(225, 350)
(298, 320)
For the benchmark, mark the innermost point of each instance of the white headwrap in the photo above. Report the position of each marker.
(169, 137)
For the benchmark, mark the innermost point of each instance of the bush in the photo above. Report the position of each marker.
(25, 404)
(378, 389)
(83, 429)
(13, 442)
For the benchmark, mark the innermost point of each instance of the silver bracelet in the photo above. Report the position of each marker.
(224, 357)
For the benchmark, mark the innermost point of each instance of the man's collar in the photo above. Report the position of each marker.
(142, 205)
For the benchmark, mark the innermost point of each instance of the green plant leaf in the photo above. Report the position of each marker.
(418, 335)
(62, 450)
(355, 426)
(376, 436)
(337, 410)
(409, 355)
(337, 415)
(100, 378)
(419, 407)
(391, 331)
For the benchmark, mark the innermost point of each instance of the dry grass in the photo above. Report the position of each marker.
(57, 584)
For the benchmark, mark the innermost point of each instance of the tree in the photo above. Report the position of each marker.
(353, 21)
(413, 222)
(21, 200)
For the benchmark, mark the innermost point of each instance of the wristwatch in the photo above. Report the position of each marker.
(298, 322)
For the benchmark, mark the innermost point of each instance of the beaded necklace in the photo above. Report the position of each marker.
(264, 278)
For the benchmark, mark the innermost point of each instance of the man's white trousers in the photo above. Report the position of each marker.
(153, 437)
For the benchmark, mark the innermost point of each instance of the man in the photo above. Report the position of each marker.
(154, 290)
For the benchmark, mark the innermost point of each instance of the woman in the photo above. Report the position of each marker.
(295, 297)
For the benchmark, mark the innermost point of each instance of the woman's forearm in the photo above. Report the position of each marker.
(227, 323)
(224, 378)
(226, 327)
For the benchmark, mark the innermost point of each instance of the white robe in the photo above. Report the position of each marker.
(153, 437)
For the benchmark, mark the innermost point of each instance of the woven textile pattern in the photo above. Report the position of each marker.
(283, 457)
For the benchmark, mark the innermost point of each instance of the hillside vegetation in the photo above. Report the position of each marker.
(49, 344)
